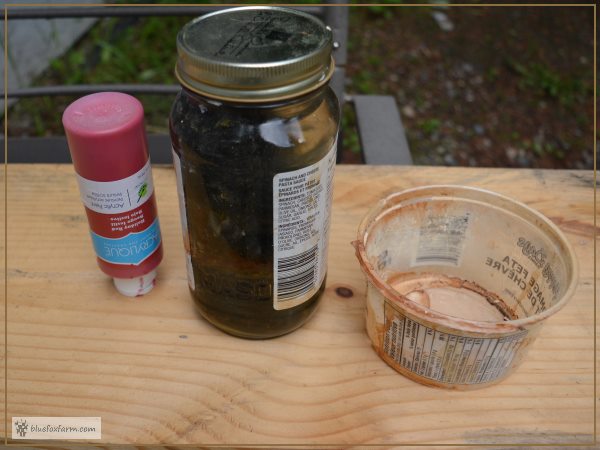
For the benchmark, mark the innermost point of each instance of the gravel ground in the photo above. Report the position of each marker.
(483, 86)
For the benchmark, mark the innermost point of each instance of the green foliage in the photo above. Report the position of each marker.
(492, 74)
(133, 51)
(350, 134)
(119, 51)
(545, 81)
(381, 10)
(374, 60)
(430, 126)
(71, 67)
(384, 11)
(364, 82)
(547, 148)
(541, 148)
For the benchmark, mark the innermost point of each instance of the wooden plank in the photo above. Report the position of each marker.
(381, 132)
(158, 374)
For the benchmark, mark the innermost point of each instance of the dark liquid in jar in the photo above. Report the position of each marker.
(229, 155)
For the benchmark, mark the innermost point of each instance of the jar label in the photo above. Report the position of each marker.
(184, 225)
(301, 216)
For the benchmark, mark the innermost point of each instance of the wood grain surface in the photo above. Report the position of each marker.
(158, 374)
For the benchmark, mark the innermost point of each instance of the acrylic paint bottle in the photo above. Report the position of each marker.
(108, 147)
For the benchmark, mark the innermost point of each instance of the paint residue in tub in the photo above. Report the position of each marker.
(452, 296)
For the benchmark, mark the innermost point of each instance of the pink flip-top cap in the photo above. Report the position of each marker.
(106, 135)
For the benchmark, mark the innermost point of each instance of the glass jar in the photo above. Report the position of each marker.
(254, 133)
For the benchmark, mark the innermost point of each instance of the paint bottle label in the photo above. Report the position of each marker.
(122, 217)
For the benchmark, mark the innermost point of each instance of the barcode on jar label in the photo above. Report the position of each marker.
(441, 240)
(445, 357)
(301, 210)
(296, 275)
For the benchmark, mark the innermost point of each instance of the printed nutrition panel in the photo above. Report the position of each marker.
(301, 208)
(445, 357)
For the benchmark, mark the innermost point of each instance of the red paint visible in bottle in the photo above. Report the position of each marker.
(108, 146)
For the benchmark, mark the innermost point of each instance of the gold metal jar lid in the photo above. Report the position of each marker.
(254, 54)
